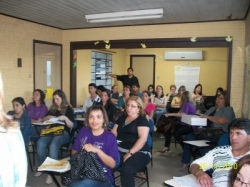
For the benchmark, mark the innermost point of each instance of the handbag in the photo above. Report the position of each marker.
(165, 125)
(208, 133)
(84, 165)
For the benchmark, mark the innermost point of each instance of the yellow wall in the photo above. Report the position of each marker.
(16, 41)
(213, 67)
(84, 71)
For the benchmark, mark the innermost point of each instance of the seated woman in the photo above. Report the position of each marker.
(219, 116)
(198, 97)
(132, 129)
(176, 102)
(115, 95)
(107, 104)
(160, 102)
(239, 174)
(23, 118)
(95, 138)
(149, 107)
(127, 91)
(37, 109)
(151, 89)
(62, 110)
(187, 107)
(170, 97)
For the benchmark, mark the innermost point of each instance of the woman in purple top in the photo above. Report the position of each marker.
(187, 107)
(95, 138)
(37, 109)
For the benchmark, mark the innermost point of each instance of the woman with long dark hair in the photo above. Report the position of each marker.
(62, 110)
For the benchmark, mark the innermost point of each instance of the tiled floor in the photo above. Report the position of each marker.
(165, 166)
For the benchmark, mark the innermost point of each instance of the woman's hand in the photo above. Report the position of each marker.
(126, 156)
(90, 148)
(62, 118)
(167, 115)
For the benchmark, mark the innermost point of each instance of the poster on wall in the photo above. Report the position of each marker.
(188, 76)
(246, 88)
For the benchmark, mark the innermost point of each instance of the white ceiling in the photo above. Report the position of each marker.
(70, 14)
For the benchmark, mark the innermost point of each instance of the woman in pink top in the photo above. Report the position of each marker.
(150, 107)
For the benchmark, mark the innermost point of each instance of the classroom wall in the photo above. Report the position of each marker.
(16, 41)
(210, 29)
(84, 71)
(213, 67)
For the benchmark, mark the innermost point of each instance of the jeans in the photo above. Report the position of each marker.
(131, 166)
(187, 155)
(92, 183)
(181, 130)
(158, 114)
(54, 142)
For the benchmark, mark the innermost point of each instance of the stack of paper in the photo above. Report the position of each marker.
(54, 165)
(194, 120)
(53, 121)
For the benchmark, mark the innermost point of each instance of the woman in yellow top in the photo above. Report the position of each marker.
(176, 102)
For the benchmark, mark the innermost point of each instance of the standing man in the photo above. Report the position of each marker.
(128, 80)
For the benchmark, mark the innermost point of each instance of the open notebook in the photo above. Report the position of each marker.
(54, 165)
(53, 121)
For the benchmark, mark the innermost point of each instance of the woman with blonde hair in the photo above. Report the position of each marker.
(132, 129)
(13, 162)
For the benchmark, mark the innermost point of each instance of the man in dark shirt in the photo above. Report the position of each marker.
(129, 79)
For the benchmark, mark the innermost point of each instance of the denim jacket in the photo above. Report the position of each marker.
(25, 126)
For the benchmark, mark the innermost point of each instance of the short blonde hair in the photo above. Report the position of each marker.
(139, 102)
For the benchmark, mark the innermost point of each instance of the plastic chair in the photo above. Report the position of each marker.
(224, 140)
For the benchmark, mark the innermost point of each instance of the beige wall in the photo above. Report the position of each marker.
(16, 41)
(211, 29)
(213, 67)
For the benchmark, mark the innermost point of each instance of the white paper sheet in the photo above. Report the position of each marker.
(53, 120)
(54, 165)
(187, 181)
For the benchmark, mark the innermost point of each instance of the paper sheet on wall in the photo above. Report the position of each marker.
(188, 76)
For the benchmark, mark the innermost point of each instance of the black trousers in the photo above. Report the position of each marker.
(131, 166)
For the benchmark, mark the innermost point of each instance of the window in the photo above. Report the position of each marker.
(101, 63)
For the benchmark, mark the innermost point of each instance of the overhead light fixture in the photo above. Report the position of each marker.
(126, 15)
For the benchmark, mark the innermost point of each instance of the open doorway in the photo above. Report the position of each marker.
(47, 68)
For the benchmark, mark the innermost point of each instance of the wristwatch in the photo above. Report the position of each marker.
(130, 153)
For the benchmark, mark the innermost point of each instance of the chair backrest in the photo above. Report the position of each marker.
(224, 140)
(149, 140)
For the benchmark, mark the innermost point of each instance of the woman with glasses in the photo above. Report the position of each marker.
(239, 175)
(132, 129)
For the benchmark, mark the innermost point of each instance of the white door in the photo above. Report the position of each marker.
(47, 69)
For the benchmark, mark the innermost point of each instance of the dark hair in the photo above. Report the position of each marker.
(96, 108)
(197, 85)
(130, 89)
(100, 87)
(109, 100)
(136, 84)
(130, 68)
(172, 85)
(148, 93)
(185, 98)
(152, 86)
(64, 103)
(42, 96)
(162, 95)
(113, 87)
(235, 170)
(19, 100)
(93, 84)
(240, 123)
(226, 98)
(219, 89)
(179, 90)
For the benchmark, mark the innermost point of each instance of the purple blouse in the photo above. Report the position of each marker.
(36, 112)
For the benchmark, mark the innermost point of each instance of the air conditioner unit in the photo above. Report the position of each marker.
(183, 55)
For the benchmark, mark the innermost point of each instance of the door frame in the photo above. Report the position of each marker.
(131, 63)
(34, 59)
(151, 43)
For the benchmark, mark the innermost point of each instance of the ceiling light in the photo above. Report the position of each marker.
(127, 15)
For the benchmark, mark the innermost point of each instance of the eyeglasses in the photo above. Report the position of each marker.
(239, 181)
(132, 106)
